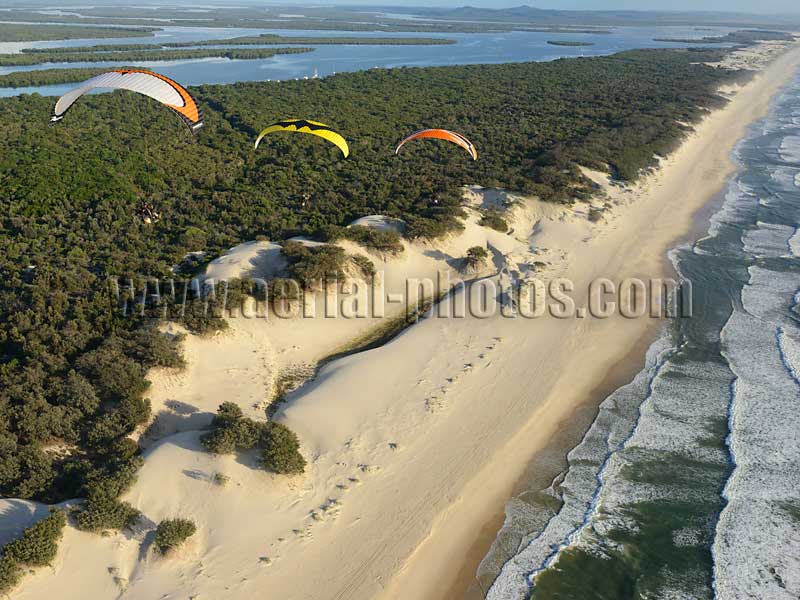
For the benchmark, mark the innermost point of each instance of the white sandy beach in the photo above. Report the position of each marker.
(414, 446)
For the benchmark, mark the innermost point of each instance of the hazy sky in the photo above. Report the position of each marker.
(762, 6)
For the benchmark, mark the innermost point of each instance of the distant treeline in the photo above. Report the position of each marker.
(13, 32)
(38, 58)
(261, 40)
(256, 18)
(568, 43)
(566, 30)
(743, 37)
(22, 79)
(73, 366)
(269, 38)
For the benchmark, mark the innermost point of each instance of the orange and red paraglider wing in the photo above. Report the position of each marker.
(147, 83)
(441, 134)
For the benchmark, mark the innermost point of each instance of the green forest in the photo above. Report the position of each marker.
(271, 38)
(39, 58)
(19, 79)
(266, 39)
(23, 32)
(73, 366)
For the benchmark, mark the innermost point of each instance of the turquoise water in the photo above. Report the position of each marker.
(325, 60)
(687, 485)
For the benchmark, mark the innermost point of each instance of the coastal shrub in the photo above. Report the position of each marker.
(493, 220)
(220, 479)
(152, 349)
(232, 432)
(365, 265)
(476, 256)
(201, 317)
(312, 266)
(595, 214)
(32, 472)
(37, 547)
(102, 512)
(220, 441)
(114, 375)
(10, 574)
(431, 228)
(39, 543)
(379, 240)
(228, 414)
(193, 239)
(281, 289)
(120, 421)
(281, 452)
(171, 533)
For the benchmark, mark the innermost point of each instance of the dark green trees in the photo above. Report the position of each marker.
(232, 431)
(36, 548)
(171, 533)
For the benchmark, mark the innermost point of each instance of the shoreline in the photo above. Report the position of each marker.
(462, 582)
(467, 586)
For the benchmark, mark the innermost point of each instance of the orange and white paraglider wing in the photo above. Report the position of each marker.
(441, 134)
(153, 85)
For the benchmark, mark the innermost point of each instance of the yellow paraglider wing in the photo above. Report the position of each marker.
(304, 126)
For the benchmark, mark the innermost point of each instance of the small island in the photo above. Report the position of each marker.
(568, 43)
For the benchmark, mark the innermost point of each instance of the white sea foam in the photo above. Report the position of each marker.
(786, 177)
(769, 294)
(794, 243)
(789, 347)
(605, 473)
(757, 543)
(676, 403)
(581, 484)
(790, 149)
(738, 192)
(768, 240)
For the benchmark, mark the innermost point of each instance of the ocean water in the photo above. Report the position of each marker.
(687, 484)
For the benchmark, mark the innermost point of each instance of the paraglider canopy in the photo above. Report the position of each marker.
(305, 126)
(150, 84)
(441, 134)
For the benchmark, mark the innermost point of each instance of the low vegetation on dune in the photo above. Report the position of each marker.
(476, 257)
(73, 364)
(172, 533)
(36, 548)
(232, 432)
(314, 265)
(494, 220)
(387, 241)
